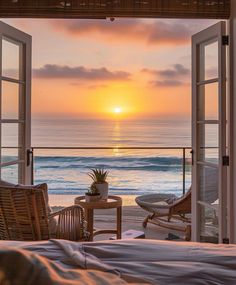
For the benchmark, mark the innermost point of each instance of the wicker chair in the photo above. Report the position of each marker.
(24, 216)
(164, 207)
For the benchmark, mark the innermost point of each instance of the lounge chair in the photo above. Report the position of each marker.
(24, 216)
(164, 208)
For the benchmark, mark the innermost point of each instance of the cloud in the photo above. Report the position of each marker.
(79, 73)
(170, 77)
(166, 83)
(168, 32)
(212, 72)
(178, 70)
(97, 86)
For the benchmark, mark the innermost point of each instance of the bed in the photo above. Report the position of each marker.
(126, 261)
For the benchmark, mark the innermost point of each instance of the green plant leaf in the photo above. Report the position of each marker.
(98, 175)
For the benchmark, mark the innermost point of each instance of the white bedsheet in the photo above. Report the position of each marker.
(153, 262)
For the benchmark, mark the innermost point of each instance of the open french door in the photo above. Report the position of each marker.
(15, 111)
(210, 160)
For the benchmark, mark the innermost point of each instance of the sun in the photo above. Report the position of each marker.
(117, 110)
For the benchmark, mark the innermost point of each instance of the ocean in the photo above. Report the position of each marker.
(131, 172)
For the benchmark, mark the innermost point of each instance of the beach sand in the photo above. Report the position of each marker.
(68, 200)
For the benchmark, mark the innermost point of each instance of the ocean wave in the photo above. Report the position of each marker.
(145, 167)
(157, 163)
(128, 191)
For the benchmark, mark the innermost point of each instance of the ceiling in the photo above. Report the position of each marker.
(215, 9)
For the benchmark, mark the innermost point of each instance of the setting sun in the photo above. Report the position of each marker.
(117, 110)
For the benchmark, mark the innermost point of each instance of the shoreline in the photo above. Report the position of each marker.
(58, 200)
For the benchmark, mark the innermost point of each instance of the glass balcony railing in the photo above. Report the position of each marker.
(132, 170)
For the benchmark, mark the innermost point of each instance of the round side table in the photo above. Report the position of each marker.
(89, 207)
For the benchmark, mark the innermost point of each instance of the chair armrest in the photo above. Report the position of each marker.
(64, 210)
(71, 224)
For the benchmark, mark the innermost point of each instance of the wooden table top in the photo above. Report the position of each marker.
(111, 202)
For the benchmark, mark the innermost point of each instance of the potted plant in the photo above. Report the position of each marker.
(99, 177)
(92, 195)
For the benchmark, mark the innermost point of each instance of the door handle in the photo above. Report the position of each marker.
(29, 156)
(192, 156)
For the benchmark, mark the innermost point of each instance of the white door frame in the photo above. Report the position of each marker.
(208, 35)
(25, 41)
(232, 118)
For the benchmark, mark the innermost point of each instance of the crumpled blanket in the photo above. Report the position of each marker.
(144, 261)
(168, 263)
(160, 262)
(21, 267)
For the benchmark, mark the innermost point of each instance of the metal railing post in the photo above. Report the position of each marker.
(184, 168)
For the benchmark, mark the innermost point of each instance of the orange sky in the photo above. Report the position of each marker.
(87, 68)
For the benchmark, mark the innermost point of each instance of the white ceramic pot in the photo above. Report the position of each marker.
(103, 190)
(92, 198)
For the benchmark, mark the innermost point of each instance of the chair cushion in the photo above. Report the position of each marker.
(6, 184)
(171, 200)
(161, 203)
(53, 223)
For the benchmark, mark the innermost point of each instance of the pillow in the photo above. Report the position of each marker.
(6, 184)
(42, 186)
(52, 223)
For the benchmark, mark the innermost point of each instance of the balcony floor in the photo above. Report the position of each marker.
(132, 218)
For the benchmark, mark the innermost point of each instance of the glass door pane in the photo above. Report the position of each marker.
(10, 173)
(11, 54)
(209, 227)
(208, 203)
(211, 68)
(208, 143)
(10, 100)
(15, 94)
(208, 101)
(208, 136)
